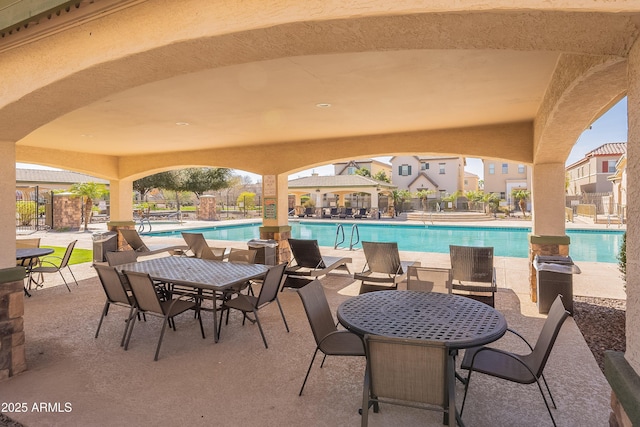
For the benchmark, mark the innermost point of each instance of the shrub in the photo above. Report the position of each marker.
(26, 212)
(622, 258)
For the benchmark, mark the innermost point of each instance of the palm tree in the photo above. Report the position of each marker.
(89, 191)
(521, 196)
(423, 195)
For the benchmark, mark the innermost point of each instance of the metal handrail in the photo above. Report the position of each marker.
(336, 243)
(354, 227)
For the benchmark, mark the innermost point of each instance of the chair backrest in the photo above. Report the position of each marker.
(242, 256)
(111, 283)
(67, 254)
(144, 292)
(27, 243)
(471, 263)
(382, 257)
(121, 257)
(198, 245)
(541, 351)
(133, 239)
(306, 252)
(271, 284)
(429, 279)
(407, 370)
(317, 308)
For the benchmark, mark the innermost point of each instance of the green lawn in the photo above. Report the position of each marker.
(77, 257)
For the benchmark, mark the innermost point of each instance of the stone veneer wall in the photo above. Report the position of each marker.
(12, 344)
(625, 390)
(67, 211)
(207, 209)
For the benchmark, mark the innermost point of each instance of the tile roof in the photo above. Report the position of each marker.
(337, 181)
(58, 177)
(609, 149)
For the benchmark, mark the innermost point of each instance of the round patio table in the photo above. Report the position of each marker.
(458, 321)
(27, 256)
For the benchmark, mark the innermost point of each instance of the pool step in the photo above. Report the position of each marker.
(448, 216)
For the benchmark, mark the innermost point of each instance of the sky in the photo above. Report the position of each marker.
(610, 127)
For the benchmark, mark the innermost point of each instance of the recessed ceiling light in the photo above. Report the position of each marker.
(323, 105)
(182, 124)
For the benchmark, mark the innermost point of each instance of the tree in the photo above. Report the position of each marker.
(247, 199)
(162, 180)
(363, 172)
(452, 198)
(493, 201)
(474, 197)
(399, 197)
(89, 191)
(423, 195)
(381, 176)
(521, 196)
(201, 180)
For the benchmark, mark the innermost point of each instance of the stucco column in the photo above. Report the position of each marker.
(633, 205)
(548, 236)
(7, 209)
(275, 221)
(120, 206)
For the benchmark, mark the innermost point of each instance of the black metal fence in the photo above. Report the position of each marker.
(33, 209)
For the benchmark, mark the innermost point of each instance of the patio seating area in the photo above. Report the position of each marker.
(238, 382)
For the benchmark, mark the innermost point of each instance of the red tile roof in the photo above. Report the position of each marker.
(609, 149)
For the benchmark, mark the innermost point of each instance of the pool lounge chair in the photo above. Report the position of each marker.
(362, 213)
(347, 213)
(383, 270)
(132, 238)
(200, 248)
(309, 264)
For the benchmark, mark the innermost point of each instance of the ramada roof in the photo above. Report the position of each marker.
(337, 181)
(55, 177)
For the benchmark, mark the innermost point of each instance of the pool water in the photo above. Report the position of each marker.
(586, 245)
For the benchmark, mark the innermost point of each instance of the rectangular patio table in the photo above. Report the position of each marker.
(200, 274)
(458, 321)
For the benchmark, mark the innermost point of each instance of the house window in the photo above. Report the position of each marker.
(424, 166)
(404, 170)
(505, 168)
(520, 168)
(351, 170)
(492, 168)
(441, 168)
(608, 167)
(502, 195)
(466, 182)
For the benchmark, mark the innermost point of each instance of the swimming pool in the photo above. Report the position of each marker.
(586, 245)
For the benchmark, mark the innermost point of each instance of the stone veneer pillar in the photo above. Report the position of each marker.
(12, 343)
(67, 211)
(207, 209)
(280, 234)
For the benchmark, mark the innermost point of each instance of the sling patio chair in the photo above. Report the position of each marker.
(148, 301)
(55, 264)
(198, 245)
(522, 369)
(308, 263)
(252, 304)
(429, 279)
(121, 257)
(329, 340)
(242, 256)
(383, 269)
(406, 372)
(473, 273)
(133, 239)
(116, 294)
(362, 213)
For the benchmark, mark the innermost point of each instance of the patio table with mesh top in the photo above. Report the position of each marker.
(200, 274)
(458, 321)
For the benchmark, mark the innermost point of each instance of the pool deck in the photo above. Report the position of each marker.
(239, 382)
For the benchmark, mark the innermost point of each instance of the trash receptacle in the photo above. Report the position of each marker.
(554, 277)
(103, 243)
(266, 250)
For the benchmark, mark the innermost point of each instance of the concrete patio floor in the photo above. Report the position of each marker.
(238, 382)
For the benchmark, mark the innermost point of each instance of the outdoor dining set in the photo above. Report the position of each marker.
(411, 339)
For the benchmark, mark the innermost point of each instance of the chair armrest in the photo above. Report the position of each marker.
(44, 260)
(521, 337)
(504, 353)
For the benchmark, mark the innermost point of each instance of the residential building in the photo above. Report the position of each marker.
(372, 165)
(589, 174)
(471, 182)
(502, 178)
(443, 175)
(619, 183)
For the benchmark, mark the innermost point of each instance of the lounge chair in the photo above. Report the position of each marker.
(362, 213)
(308, 212)
(383, 269)
(326, 213)
(334, 213)
(308, 263)
(519, 368)
(133, 239)
(474, 266)
(200, 249)
(347, 213)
